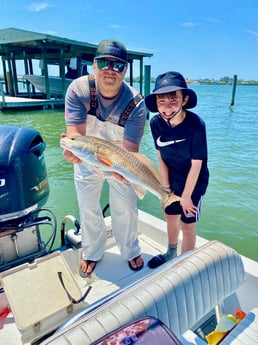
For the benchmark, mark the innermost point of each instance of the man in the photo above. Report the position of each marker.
(105, 106)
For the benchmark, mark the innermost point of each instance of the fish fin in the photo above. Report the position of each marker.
(140, 191)
(104, 160)
(170, 199)
(146, 161)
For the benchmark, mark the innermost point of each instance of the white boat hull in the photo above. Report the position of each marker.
(56, 85)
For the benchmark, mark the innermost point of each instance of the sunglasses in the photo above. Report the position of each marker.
(116, 66)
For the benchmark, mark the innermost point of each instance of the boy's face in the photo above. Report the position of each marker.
(169, 103)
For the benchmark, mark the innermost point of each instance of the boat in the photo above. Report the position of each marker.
(55, 84)
(208, 293)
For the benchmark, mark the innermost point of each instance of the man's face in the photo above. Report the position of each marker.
(109, 75)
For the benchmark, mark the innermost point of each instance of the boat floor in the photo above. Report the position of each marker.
(112, 272)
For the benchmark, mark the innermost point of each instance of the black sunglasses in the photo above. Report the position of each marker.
(115, 65)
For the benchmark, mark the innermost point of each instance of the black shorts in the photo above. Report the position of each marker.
(175, 208)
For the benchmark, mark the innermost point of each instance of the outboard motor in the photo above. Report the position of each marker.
(24, 189)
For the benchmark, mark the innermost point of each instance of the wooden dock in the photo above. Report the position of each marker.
(7, 103)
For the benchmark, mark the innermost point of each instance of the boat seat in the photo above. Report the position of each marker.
(180, 294)
(246, 332)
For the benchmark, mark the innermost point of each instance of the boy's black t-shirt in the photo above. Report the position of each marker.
(178, 146)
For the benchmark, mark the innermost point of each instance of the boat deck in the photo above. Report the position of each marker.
(120, 276)
(172, 294)
(111, 277)
(103, 281)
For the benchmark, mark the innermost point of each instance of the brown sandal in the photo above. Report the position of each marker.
(137, 268)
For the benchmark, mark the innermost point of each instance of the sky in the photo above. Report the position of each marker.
(198, 38)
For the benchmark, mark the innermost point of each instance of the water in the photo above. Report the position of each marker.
(230, 206)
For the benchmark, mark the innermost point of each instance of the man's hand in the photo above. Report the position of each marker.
(68, 155)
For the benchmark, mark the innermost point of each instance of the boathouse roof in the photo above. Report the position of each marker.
(20, 42)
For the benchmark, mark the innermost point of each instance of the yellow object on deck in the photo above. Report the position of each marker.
(224, 326)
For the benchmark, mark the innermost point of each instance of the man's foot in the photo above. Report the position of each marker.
(136, 264)
(87, 267)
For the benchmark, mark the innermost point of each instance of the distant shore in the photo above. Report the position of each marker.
(222, 82)
(206, 81)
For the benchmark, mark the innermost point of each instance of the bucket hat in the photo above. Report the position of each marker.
(111, 49)
(170, 82)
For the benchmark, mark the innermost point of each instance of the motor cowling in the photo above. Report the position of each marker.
(23, 175)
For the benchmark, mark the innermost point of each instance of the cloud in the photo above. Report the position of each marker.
(188, 24)
(115, 26)
(38, 6)
(212, 20)
(252, 32)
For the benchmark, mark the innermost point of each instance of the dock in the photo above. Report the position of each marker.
(8, 102)
(31, 56)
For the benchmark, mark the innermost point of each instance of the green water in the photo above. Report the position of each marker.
(230, 208)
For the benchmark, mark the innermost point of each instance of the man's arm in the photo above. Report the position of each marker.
(132, 147)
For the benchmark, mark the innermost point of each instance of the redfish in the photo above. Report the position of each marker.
(109, 157)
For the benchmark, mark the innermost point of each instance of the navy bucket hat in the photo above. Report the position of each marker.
(170, 82)
(111, 49)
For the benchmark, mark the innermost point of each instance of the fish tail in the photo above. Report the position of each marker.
(171, 197)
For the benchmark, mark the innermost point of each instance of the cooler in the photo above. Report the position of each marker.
(40, 303)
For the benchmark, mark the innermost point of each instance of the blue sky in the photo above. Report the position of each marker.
(199, 38)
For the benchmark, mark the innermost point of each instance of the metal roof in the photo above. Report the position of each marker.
(19, 42)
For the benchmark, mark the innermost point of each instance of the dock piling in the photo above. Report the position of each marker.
(233, 91)
(147, 79)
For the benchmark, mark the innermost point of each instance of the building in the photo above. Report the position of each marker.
(26, 47)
